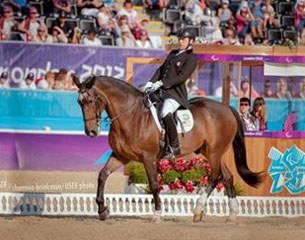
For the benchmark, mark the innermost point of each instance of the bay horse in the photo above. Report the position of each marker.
(135, 136)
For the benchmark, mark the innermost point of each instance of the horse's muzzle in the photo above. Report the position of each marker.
(93, 133)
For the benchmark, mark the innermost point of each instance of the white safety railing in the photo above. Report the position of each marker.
(141, 205)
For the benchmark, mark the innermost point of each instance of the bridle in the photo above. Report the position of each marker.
(98, 113)
(95, 100)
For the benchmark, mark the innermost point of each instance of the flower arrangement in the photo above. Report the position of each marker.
(178, 175)
(185, 174)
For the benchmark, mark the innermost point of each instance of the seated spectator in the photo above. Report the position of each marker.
(270, 18)
(75, 36)
(141, 26)
(257, 12)
(88, 7)
(63, 24)
(282, 89)
(30, 24)
(19, 6)
(129, 12)
(299, 15)
(28, 82)
(194, 14)
(103, 17)
(126, 39)
(267, 89)
(249, 122)
(260, 113)
(62, 5)
(4, 80)
(42, 35)
(91, 39)
(245, 90)
(224, 13)
(122, 23)
(301, 93)
(230, 38)
(245, 21)
(58, 35)
(213, 32)
(144, 41)
(7, 23)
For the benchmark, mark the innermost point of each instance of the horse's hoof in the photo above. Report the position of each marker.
(231, 219)
(198, 217)
(156, 219)
(103, 214)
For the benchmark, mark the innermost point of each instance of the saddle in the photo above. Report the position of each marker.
(184, 117)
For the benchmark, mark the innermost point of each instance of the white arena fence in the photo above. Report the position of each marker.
(142, 205)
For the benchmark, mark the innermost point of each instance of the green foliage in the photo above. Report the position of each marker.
(193, 175)
(170, 176)
(137, 173)
(238, 190)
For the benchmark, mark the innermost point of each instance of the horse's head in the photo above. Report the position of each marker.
(91, 104)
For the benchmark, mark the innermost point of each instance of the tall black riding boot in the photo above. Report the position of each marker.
(171, 132)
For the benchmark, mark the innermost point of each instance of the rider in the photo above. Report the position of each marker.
(171, 77)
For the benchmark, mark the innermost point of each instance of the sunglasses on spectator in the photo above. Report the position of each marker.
(259, 104)
(244, 104)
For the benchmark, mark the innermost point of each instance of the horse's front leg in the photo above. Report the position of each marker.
(152, 174)
(112, 165)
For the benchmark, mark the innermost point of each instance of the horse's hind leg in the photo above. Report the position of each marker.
(228, 184)
(216, 177)
(112, 165)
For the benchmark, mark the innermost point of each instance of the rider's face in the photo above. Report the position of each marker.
(184, 42)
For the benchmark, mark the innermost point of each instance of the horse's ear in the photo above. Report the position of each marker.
(89, 82)
(76, 80)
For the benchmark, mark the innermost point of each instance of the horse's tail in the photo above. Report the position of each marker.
(251, 178)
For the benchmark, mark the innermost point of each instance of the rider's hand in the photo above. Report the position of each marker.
(157, 85)
(148, 86)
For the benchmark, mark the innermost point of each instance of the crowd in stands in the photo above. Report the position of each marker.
(52, 80)
(97, 22)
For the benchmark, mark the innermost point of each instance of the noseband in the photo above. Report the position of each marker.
(95, 100)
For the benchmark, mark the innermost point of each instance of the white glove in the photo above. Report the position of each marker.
(147, 86)
(157, 85)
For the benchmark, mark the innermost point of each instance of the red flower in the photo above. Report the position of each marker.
(175, 179)
(164, 165)
(181, 165)
(179, 184)
(189, 187)
(172, 186)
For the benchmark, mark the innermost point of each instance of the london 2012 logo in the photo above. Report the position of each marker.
(287, 170)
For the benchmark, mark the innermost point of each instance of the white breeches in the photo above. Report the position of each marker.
(169, 106)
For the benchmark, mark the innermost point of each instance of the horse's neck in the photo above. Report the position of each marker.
(121, 106)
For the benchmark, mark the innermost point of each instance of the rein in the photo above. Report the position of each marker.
(111, 120)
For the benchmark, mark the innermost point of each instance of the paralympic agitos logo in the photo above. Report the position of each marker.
(287, 170)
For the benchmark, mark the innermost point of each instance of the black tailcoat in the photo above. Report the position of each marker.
(174, 72)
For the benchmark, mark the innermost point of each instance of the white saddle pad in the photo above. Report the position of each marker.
(185, 116)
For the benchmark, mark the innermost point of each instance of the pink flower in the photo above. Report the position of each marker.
(179, 184)
(181, 165)
(204, 181)
(164, 166)
(189, 187)
(172, 186)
